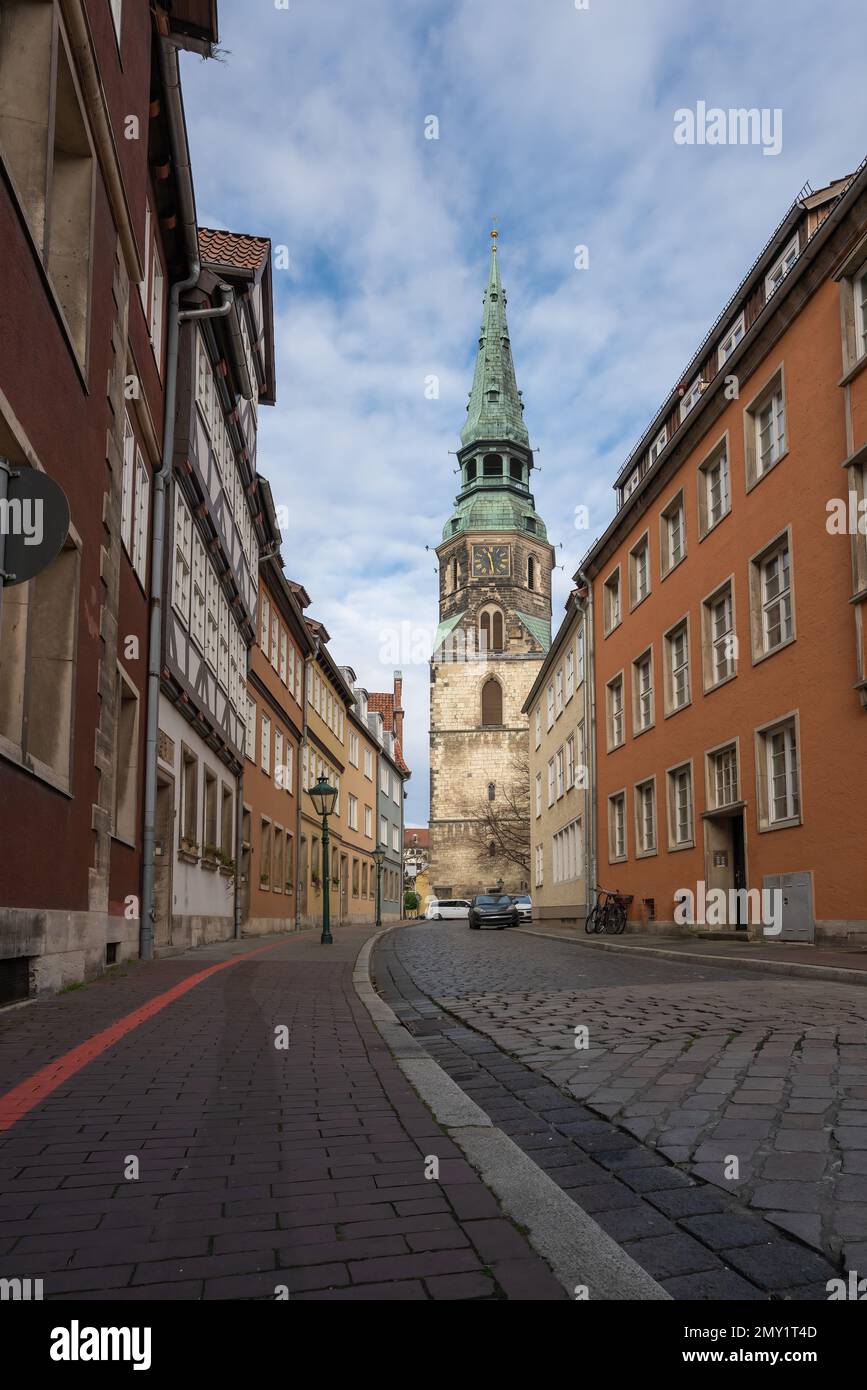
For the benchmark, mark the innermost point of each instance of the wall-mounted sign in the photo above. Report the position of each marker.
(34, 524)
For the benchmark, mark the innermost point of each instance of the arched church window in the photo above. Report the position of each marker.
(485, 632)
(492, 466)
(531, 573)
(497, 632)
(491, 630)
(492, 703)
(455, 573)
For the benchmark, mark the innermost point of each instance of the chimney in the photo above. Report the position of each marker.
(398, 707)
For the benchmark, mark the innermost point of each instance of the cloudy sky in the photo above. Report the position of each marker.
(559, 121)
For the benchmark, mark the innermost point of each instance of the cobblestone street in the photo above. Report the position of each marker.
(701, 1065)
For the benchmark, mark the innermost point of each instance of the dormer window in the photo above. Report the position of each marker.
(780, 269)
(631, 483)
(493, 397)
(658, 445)
(731, 340)
(690, 398)
(530, 523)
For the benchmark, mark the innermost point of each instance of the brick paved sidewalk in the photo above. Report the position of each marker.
(259, 1167)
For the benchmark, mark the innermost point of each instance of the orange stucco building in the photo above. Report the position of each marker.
(727, 600)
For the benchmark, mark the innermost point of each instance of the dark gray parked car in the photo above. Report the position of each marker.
(492, 910)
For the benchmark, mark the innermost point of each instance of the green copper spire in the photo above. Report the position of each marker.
(495, 411)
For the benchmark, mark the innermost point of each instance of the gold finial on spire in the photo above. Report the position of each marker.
(494, 234)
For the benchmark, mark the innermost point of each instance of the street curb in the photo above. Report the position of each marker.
(577, 1249)
(770, 967)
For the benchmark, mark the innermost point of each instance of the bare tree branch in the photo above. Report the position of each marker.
(503, 822)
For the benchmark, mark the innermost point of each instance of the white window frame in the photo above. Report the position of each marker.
(786, 729)
(658, 445)
(141, 518)
(731, 339)
(645, 798)
(691, 397)
(781, 267)
(679, 779)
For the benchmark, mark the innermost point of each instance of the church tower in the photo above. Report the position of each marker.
(495, 623)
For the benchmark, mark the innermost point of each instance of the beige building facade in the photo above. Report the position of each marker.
(559, 709)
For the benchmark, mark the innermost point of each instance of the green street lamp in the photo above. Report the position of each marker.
(379, 858)
(324, 798)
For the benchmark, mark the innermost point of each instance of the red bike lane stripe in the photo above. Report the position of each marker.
(31, 1092)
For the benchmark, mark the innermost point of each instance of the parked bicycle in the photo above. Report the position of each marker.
(608, 913)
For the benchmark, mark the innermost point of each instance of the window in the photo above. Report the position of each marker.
(140, 523)
(631, 483)
(491, 630)
(212, 618)
(277, 860)
(189, 797)
(395, 839)
(714, 490)
(570, 762)
(765, 431)
(47, 149)
(566, 853)
(550, 698)
(778, 775)
(353, 747)
(157, 305)
(368, 764)
(199, 591)
(680, 816)
(645, 817)
(551, 774)
(570, 675)
(731, 340)
(672, 534)
(265, 855)
(227, 821)
(580, 646)
(642, 692)
(639, 571)
(538, 726)
(861, 314)
(383, 830)
(116, 9)
(771, 587)
(209, 831)
(265, 626)
(266, 744)
(275, 641)
(353, 812)
(658, 445)
(776, 599)
(780, 269)
(125, 807)
(395, 790)
(538, 794)
(611, 601)
(723, 782)
(368, 822)
(582, 756)
(616, 827)
(561, 772)
(558, 686)
(614, 691)
(492, 466)
(719, 643)
(531, 573)
(183, 557)
(539, 863)
(691, 397)
(279, 771)
(127, 484)
(284, 655)
(492, 703)
(383, 779)
(677, 684)
(250, 742)
(223, 652)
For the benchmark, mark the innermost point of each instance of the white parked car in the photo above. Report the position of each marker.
(440, 909)
(524, 903)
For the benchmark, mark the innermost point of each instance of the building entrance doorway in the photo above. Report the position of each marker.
(164, 831)
(725, 859)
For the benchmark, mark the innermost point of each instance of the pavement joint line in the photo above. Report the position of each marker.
(556, 1227)
(771, 967)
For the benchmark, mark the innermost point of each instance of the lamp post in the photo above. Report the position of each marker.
(324, 797)
(378, 858)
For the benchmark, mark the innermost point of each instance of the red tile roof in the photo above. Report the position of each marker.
(233, 249)
(416, 837)
(383, 703)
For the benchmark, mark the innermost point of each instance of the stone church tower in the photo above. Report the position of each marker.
(495, 620)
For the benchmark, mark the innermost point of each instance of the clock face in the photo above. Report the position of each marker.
(491, 560)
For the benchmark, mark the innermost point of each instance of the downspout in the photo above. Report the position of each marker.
(183, 173)
(590, 792)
